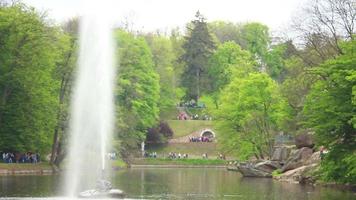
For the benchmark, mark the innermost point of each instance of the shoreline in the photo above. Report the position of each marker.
(10, 169)
(137, 166)
(6, 172)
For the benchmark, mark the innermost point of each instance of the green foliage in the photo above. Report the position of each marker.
(277, 173)
(198, 47)
(29, 51)
(257, 39)
(330, 112)
(137, 90)
(275, 61)
(163, 58)
(223, 65)
(251, 113)
(227, 32)
(295, 87)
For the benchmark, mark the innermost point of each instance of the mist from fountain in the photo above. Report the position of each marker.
(92, 106)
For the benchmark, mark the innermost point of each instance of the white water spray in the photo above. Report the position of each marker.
(92, 108)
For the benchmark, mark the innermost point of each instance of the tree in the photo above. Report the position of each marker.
(257, 40)
(252, 111)
(331, 112)
(223, 64)
(198, 47)
(137, 92)
(227, 32)
(324, 24)
(29, 52)
(64, 73)
(163, 59)
(295, 87)
(160, 133)
(275, 61)
(177, 46)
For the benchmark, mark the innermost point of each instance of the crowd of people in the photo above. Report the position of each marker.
(150, 155)
(112, 156)
(29, 157)
(185, 116)
(174, 155)
(191, 104)
(200, 139)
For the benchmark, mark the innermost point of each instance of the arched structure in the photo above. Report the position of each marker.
(207, 133)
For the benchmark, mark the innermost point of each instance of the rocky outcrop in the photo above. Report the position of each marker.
(304, 140)
(297, 159)
(301, 174)
(306, 166)
(259, 169)
(280, 154)
(296, 162)
(249, 170)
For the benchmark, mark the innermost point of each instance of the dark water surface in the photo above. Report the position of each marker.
(191, 183)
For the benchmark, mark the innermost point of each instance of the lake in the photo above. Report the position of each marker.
(178, 183)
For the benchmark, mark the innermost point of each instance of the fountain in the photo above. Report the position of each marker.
(92, 108)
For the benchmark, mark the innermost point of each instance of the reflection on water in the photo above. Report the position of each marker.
(179, 184)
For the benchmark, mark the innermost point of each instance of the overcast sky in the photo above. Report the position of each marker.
(151, 15)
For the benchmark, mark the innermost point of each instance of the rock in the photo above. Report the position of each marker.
(299, 175)
(260, 169)
(280, 154)
(250, 171)
(304, 140)
(297, 159)
(313, 159)
(268, 166)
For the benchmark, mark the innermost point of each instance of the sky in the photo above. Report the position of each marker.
(150, 15)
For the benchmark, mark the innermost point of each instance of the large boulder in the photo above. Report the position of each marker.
(301, 174)
(259, 169)
(304, 140)
(249, 170)
(313, 159)
(267, 166)
(297, 159)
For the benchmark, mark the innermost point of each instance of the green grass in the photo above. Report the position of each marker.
(277, 172)
(25, 166)
(166, 161)
(118, 163)
(169, 113)
(199, 111)
(186, 127)
(192, 149)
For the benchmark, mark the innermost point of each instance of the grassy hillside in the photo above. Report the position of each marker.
(186, 127)
(169, 113)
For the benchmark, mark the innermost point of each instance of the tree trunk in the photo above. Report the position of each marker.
(64, 84)
(198, 86)
(55, 145)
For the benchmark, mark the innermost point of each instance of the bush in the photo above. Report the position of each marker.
(159, 134)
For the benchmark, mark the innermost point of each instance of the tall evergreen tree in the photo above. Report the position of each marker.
(199, 46)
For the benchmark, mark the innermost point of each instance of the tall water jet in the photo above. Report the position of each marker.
(92, 107)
